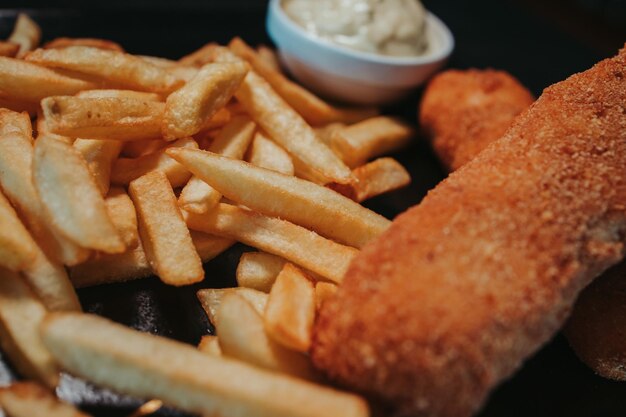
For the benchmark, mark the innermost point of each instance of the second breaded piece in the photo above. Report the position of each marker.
(450, 300)
(463, 111)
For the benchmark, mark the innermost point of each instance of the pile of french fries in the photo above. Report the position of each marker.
(116, 167)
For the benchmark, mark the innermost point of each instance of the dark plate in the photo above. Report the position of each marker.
(488, 34)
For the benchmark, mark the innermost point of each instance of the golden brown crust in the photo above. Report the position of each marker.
(463, 287)
(464, 111)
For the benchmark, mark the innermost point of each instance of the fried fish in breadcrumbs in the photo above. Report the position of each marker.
(450, 300)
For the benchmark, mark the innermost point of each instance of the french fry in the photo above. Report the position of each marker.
(22, 81)
(19, 106)
(147, 408)
(258, 270)
(112, 93)
(137, 148)
(122, 213)
(269, 56)
(279, 237)
(212, 87)
(21, 314)
(360, 142)
(91, 42)
(144, 365)
(99, 155)
(374, 178)
(210, 345)
(198, 58)
(290, 310)
(9, 49)
(266, 154)
(323, 291)
(211, 299)
(301, 202)
(313, 109)
(125, 170)
(199, 197)
(65, 186)
(165, 238)
(242, 336)
(115, 67)
(26, 33)
(103, 118)
(28, 399)
(17, 248)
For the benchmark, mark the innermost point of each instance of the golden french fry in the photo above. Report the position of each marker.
(126, 170)
(144, 365)
(99, 155)
(211, 299)
(258, 270)
(23, 81)
(26, 33)
(242, 336)
(266, 154)
(187, 109)
(360, 142)
(115, 67)
(202, 56)
(21, 315)
(17, 248)
(210, 345)
(301, 202)
(9, 49)
(110, 93)
(323, 291)
(269, 56)
(165, 238)
(122, 212)
(28, 399)
(104, 117)
(91, 42)
(66, 187)
(279, 237)
(137, 148)
(313, 109)
(290, 309)
(199, 197)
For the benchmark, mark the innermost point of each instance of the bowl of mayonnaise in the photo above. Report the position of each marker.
(359, 51)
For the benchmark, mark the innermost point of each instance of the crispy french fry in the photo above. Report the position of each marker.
(258, 270)
(122, 213)
(103, 118)
(126, 170)
(23, 81)
(269, 56)
(144, 365)
(202, 56)
(211, 299)
(28, 399)
(21, 314)
(187, 109)
(26, 33)
(242, 336)
(279, 237)
(112, 66)
(17, 248)
(266, 154)
(66, 187)
(323, 291)
(290, 310)
(360, 142)
(210, 344)
(91, 42)
(313, 109)
(302, 202)
(165, 238)
(199, 197)
(137, 148)
(9, 49)
(111, 93)
(99, 155)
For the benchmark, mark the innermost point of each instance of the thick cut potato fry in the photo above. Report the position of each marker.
(266, 154)
(122, 213)
(323, 291)
(360, 142)
(165, 238)
(22, 81)
(9, 49)
(126, 170)
(374, 178)
(21, 315)
(287, 197)
(144, 365)
(279, 237)
(103, 118)
(211, 299)
(112, 66)
(199, 197)
(258, 270)
(313, 109)
(290, 309)
(269, 56)
(137, 148)
(204, 55)
(26, 33)
(91, 42)
(17, 248)
(66, 188)
(28, 399)
(110, 93)
(99, 155)
(187, 109)
(210, 345)
(242, 336)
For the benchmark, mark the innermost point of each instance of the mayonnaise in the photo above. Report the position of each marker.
(386, 27)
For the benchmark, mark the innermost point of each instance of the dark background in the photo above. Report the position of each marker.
(540, 42)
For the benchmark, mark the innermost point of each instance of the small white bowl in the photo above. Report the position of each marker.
(352, 76)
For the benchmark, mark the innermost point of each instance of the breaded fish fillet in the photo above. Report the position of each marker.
(462, 288)
(463, 111)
